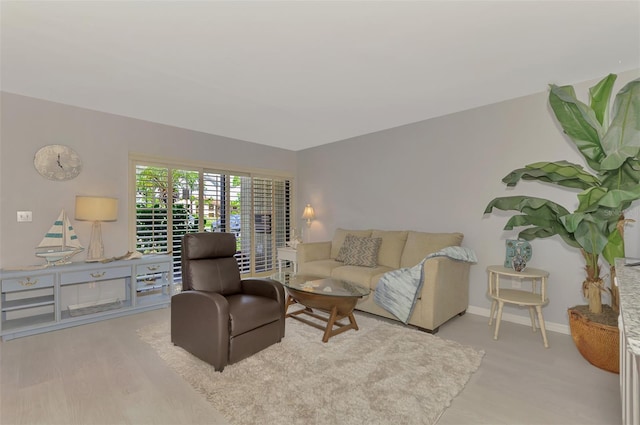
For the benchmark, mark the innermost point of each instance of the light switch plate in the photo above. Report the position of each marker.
(25, 216)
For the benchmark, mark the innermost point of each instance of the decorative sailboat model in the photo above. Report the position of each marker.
(60, 243)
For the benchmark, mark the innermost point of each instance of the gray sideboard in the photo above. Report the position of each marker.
(57, 297)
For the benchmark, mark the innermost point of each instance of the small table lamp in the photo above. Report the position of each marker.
(96, 209)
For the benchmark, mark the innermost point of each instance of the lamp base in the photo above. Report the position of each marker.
(95, 252)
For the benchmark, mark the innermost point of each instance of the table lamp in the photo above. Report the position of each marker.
(96, 209)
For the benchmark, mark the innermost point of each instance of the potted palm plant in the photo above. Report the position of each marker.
(610, 145)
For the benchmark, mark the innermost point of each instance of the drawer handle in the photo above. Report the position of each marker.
(97, 274)
(28, 282)
(153, 268)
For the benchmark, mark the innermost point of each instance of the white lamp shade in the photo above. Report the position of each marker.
(309, 213)
(96, 208)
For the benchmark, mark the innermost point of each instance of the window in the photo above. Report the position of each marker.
(172, 200)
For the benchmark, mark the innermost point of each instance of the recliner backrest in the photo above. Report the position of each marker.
(208, 263)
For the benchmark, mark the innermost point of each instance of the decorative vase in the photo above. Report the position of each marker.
(513, 245)
(519, 262)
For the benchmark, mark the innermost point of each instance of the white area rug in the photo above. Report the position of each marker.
(382, 374)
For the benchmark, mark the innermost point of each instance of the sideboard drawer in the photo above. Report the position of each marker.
(143, 269)
(27, 282)
(94, 275)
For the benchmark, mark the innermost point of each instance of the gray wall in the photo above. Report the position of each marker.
(438, 175)
(103, 141)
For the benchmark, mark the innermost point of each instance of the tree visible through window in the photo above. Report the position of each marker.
(171, 202)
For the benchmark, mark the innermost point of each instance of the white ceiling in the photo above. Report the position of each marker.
(299, 74)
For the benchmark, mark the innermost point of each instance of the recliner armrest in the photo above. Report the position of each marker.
(267, 288)
(198, 313)
(263, 287)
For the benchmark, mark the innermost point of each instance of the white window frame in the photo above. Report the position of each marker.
(202, 168)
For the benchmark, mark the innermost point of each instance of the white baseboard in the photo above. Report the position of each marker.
(521, 320)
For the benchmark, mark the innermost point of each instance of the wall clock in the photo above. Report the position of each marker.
(57, 162)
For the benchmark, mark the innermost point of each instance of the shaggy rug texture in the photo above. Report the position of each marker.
(382, 374)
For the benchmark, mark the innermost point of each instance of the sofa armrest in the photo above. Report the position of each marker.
(313, 251)
(445, 289)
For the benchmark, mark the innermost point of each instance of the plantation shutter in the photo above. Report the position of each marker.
(171, 201)
(152, 192)
(271, 220)
(167, 205)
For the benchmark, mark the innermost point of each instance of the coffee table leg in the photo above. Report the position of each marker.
(332, 320)
(290, 301)
(352, 320)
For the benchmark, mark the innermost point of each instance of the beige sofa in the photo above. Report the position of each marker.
(445, 291)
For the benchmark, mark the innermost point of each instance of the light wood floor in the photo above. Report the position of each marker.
(103, 374)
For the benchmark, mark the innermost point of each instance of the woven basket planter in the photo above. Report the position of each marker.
(599, 344)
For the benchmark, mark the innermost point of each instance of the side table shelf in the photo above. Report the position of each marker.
(57, 297)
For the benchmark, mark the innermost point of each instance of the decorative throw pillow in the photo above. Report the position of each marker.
(340, 235)
(361, 251)
(344, 248)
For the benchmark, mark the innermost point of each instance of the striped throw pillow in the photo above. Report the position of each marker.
(361, 251)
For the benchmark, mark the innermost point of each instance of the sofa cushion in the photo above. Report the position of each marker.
(393, 243)
(320, 268)
(338, 239)
(421, 244)
(360, 251)
(360, 275)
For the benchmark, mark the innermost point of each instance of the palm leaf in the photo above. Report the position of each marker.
(589, 200)
(539, 228)
(615, 198)
(622, 139)
(543, 217)
(562, 173)
(579, 122)
(624, 178)
(518, 203)
(599, 96)
(589, 232)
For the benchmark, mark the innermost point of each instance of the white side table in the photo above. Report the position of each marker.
(288, 254)
(534, 299)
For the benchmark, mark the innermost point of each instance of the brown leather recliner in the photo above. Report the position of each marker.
(219, 317)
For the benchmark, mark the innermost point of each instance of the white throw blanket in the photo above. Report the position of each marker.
(397, 290)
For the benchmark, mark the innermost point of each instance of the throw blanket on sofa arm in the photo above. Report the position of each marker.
(397, 290)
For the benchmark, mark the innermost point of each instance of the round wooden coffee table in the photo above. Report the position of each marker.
(336, 297)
